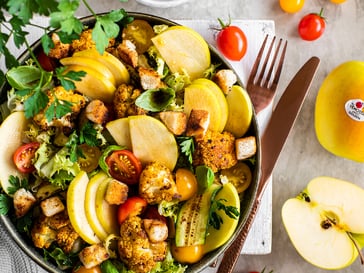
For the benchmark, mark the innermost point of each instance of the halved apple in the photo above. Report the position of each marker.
(152, 141)
(322, 220)
(184, 50)
(117, 68)
(90, 204)
(76, 208)
(11, 135)
(94, 84)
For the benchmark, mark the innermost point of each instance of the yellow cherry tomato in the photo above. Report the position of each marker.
(187, 254)
(82, 269)
(291, 6)
(338, 1)
(239, 175)
(186, 183)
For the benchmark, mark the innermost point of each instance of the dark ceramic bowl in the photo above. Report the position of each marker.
(246, 205)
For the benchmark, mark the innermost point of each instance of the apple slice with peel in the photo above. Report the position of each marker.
(90, 204)
(76, 208)
(119, 130)
(325, 221)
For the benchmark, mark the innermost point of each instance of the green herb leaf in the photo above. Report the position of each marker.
(205, 177)
(67, 79)
(5, 203)
(88, 135)
(156, 100)
(35, 103)
(215, 219)
(16, 184)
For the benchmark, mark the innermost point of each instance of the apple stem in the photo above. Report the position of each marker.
(357, 248)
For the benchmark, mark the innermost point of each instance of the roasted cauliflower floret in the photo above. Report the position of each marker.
(156, 183)
(60, 50)
(78, 102)
(85, 41)
(135, 248)
(67, 239)
(124, 101)
(215, 150)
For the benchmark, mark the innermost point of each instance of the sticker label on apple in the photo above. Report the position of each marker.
(355, 109)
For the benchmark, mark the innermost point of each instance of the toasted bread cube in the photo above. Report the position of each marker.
(245, 147)
(225, 79)
(149, 78)
(97, 112)
(198, 123)
(176, 122)
(23, 200)
(116, 192)
(51, 206)
(93, 255)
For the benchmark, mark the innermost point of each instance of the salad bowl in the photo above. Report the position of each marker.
(246, 207)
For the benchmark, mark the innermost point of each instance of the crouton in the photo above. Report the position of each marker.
(116, 192)
(215, 150)
(127, 52)
(97, 112)
(245, 147)
(156, 230)
(23, 201)
(60, 50)
(52, 206)
(149, 78)
(176, 122)
(198, 123)
(225, 79)
(93, 255)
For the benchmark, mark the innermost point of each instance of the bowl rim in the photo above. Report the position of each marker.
(247, 204)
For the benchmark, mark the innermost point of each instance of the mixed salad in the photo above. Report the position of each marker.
(134, 159)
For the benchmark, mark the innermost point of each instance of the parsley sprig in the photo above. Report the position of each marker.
(215, 220)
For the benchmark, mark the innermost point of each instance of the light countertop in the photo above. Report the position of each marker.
(302, 157)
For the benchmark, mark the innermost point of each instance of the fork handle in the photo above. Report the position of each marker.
(231, 255)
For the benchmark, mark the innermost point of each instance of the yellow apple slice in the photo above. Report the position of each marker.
(93, 85)
(91, 63)
(117, 68)
(218, 237)
(11, 135)
(76, 208)
(213, 87)
(90, 204)
(152, 141)
(184, 50)
(106, 213)
(199, 97)
(119, 130)
(240, 111)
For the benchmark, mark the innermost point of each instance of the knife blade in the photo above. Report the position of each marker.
(272, 142)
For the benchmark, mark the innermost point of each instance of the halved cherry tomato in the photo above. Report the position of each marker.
(90, 159)
(311, 26)
(133, 206)
(232, 42)
(187, 254)
(291, 6)
(82, 269)
(140, 33)
(24, 156)
(124, 166)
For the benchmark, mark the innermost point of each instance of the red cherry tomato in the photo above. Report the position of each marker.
(311, 26)
(232, 42)
(24, 156)
(151, 212)
(133, 206)
(46, 62)
(124, 166)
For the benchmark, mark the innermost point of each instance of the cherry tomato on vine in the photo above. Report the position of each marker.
(24, 156)
(231, 41)
(134, 205)
(311, 26)
(124, 166)
(291, 6)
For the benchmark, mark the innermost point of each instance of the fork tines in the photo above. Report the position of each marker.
(268, 81)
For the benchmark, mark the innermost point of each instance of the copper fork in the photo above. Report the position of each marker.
(262, 86)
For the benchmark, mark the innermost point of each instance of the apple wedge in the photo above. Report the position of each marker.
(90, 204)
(322, 222)
(152, 141)
(106, 213)
(93, 85)
(117, 68)
(11, 135)
(184, 50)
(119, 130)
(76, 208)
